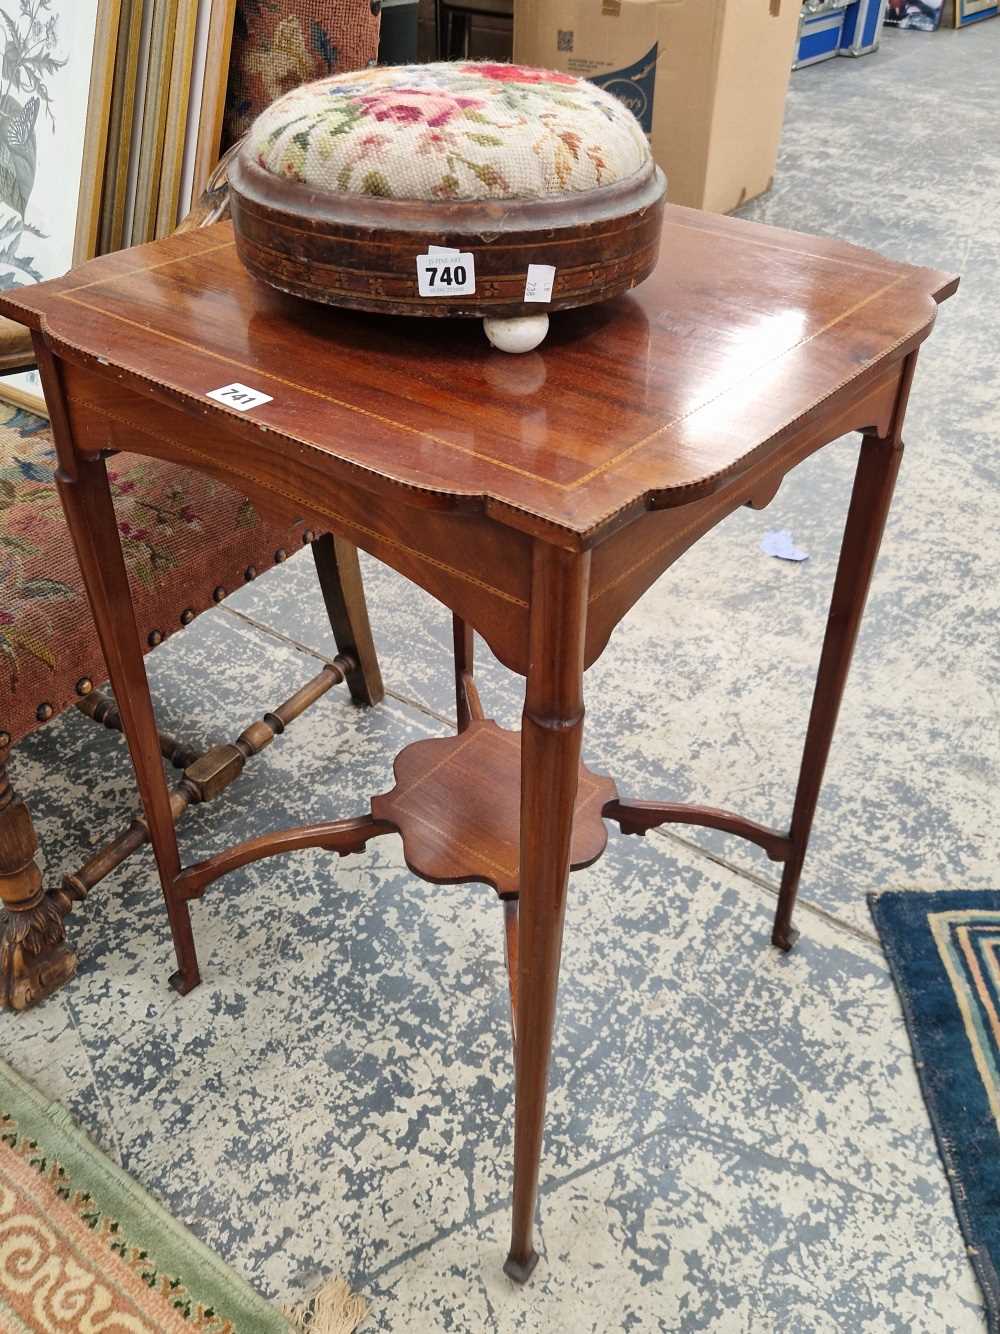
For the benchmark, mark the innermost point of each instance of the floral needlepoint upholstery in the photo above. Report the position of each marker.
(184, 536)
(451, 131)
(279, 44)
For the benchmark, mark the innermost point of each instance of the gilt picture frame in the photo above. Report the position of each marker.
(55, 100)
(974, 11)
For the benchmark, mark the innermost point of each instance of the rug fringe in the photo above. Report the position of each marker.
(333, 1310)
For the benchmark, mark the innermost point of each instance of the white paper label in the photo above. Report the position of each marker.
(444, 272)
(539, 284)
(240, 396)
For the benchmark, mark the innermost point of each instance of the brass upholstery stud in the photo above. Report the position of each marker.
(84, 686)
(154, 637)
(4, 740)
(280, 555)
(44, 712)
(250, 573)
(308, 536)
(218, 593)
(187, 615)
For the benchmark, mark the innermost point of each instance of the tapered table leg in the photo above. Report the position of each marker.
(93, 526)
(467, 704)
(871, 497)
(552, 731)
(339, 573)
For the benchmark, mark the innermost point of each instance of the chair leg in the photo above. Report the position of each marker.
(339, 574)
(34, 956)
(468, 706)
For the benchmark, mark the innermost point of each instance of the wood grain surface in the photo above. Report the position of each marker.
(737, 343)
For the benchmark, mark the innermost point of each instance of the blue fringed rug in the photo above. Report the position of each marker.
(944, 953)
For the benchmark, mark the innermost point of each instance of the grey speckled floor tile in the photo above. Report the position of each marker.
(736, 1140)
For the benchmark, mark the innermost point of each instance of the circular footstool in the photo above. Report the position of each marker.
(450, 189)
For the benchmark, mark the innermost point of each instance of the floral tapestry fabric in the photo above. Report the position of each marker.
(451, 131)
(279, 44)
(184, 536)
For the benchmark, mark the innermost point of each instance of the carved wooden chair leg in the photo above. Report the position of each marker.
(339, 575)
(34, 956)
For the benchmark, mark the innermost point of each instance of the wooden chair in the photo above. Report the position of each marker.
(284, 43)
(189, 542)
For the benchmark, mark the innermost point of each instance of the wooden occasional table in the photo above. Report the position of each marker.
(537, 497)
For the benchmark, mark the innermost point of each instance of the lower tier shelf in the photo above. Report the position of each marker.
(457, 804)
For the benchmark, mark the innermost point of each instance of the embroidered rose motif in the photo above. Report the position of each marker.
(517, 74)
(451, 131)
(417, 106)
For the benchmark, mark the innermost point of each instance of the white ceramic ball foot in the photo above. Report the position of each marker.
(520, 334)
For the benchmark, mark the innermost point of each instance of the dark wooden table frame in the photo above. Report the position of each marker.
(530, 534)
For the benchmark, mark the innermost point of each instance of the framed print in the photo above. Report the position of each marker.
(58, 66)
(178, 108)
(213, 48)
(153, 130)
(121, 122)
(971, 11)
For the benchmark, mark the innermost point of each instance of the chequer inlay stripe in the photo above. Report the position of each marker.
(971, 1002)
(490, 459)
(508, 245)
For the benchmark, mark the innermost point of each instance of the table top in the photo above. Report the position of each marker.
(741, 335)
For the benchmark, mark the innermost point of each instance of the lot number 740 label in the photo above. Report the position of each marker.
(450, 274)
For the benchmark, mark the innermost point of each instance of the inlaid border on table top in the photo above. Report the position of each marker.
(935, 286)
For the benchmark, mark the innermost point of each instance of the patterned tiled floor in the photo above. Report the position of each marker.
(736, 1139)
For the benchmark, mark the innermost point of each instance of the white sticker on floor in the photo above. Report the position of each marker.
(779, 543)
(240, 396)
(540, 280)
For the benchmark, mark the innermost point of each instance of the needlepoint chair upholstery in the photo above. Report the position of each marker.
(188, 541)
(277, 46)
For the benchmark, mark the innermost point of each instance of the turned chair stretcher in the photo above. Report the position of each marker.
(44, 678)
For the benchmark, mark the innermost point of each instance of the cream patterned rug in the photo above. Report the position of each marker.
(83, 1247)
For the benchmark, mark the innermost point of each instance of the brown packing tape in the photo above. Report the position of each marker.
(611, 9)
(776, 9)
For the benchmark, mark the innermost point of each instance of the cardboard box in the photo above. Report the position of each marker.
(706, 78)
